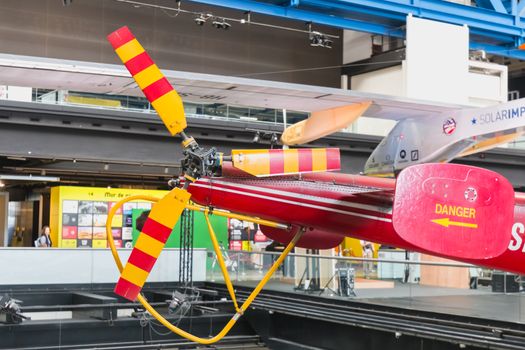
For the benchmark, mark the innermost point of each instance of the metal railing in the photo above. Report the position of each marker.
(406, 277)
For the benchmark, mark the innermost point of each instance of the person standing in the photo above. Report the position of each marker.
(368, 253)
(474, 275)
(18, 237)
(44, 241)
(235, 230)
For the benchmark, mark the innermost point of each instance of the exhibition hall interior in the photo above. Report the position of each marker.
(262, 174)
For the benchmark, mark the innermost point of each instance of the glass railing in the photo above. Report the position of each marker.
(519, 143)
(212, 110)
(66, 286)
(441, 286)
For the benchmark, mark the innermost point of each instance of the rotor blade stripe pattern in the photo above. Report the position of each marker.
(277, 159)
(120, 37)
(319, 160)
(291, 165)
(333, 160)
(127, 289)
(139, 258)
(129, 50)
(143, 257)
(147, 77)
(156, 231)
(305, 160)
(150, 79)
(289, 161)
(157, 89)
(138, 63)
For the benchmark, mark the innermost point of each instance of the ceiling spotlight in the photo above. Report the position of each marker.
(257, 137)
(202, 18)
(2, 184)
(221, 24)
(318, 39)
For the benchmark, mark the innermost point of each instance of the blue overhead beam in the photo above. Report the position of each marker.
(445, 11)
(521, 8)
(498, 50)
(492, 5)
(496, 26)
(339, 5)
(335, 5)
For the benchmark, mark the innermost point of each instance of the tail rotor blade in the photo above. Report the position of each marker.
(150, 79)
(156, 231)
(276, 162)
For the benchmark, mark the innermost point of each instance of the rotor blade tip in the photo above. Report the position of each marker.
(120, 36)
(127, 289)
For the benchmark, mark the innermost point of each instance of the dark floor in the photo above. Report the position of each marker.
(479, 303)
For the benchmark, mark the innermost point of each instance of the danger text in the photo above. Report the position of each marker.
(462, 212)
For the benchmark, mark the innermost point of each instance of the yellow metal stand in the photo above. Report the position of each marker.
(220, 259)
(247, 302)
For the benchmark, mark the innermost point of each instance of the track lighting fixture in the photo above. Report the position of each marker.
(318, 39)
(220, 23)
(265, 136)
(202, 18)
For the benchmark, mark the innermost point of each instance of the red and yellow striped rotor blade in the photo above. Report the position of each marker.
(272, 162)
(157, 228)
(149, 78)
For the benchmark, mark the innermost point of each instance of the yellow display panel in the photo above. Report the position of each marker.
(69, 243)
(352, 247)
(116, 220)
(78, 215)
(100, 243)
(246, 246)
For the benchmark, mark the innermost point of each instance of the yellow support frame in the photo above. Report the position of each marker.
(239, 310)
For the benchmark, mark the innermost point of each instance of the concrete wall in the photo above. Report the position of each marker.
(434, 74)
(437, 56)
(81, 266)
(357, 46)
(46, 28)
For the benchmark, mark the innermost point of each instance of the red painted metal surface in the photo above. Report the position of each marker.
(311, 239)
(345, 205)
(454, 210)
(314, 202)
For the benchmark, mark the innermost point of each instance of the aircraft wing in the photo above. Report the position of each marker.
(207, 88)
